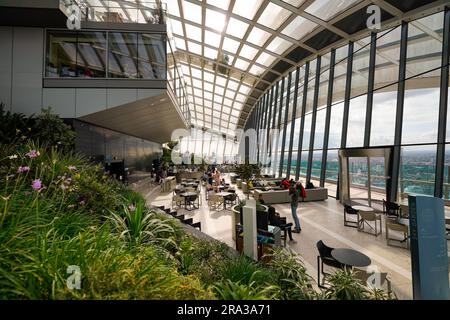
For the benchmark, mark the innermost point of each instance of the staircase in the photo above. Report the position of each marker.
(181, 217)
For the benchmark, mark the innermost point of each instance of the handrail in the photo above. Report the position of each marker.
(144, 12)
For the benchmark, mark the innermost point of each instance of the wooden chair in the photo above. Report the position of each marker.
(177, 201)
(349, 211)
(393, 225)
(366, 218)
(365, 277)
(214, 201)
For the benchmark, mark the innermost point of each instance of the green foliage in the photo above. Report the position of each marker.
(245, 270)
(51, 131)
(229, 290)
(344, 286)
(15, 126)
(167, 151)
(46, 129)
(259, 206)
(77, 216)
(138, 225)
(247, 171)
(42, 232)
(291, 275)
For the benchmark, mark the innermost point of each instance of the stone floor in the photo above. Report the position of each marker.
(320, 221)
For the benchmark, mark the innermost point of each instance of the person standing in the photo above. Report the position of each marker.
(295, 192)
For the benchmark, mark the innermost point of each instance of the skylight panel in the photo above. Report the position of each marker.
(247, 8)
(299, 27)
(274, 16)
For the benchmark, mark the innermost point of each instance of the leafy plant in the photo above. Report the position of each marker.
(229, 290)
(139, 226)
(343, 286)
(247, 171)
(15, 126)
(291, 275)
(51, 131)
(46, 129)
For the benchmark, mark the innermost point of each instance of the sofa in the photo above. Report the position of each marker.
(282, 196)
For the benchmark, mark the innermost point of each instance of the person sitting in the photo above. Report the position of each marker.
(260, 199)
(309, 185)
(276, 220)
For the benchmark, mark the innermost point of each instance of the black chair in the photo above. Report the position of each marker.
(391, 209)
(348, 210)
(231, 199)
(190, 201)
(447, 228)
(325, 258)
(281, 222)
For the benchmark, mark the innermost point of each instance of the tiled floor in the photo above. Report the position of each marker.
(320, 221)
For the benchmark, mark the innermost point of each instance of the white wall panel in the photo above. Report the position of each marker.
(90, 101)
(118, 97)
(62, 101)
(28, 51)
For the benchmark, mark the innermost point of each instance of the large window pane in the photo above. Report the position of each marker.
(360, 75)
(340, 74)
(332, 172)
(316, 167)
(383, 116)
(123, 52)
(307, 132)
(421, 110)
(337, 116)
(91, 57)
(387, 58)
(320, 128)
(425, 44)
(356, 121)
(152, 57)
(61, 54)
(417, 170)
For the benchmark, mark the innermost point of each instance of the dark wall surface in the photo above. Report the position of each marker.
(97, 142)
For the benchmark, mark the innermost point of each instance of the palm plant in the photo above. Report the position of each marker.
(138, 225)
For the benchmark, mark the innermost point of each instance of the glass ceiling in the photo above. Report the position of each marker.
(229, 50)
(226, 47)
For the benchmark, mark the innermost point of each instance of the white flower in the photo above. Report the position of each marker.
(14, 156)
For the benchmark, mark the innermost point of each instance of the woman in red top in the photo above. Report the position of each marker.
(285, 184)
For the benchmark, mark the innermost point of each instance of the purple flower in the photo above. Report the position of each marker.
(32, 154)
(23, 169)
(36, 185)
(72, 168)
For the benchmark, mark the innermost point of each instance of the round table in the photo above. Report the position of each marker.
(363, 208)
(350, 257)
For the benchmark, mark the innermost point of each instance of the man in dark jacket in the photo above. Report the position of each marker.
(296, 192)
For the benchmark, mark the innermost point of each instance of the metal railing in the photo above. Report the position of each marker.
(143, 12)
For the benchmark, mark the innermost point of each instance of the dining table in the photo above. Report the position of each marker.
(351, 258)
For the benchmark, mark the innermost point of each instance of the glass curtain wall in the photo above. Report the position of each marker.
(420, 120)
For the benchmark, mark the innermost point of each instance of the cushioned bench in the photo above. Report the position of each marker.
(282, 196)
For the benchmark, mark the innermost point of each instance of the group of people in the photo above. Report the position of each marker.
(213, 177)
(296, 190)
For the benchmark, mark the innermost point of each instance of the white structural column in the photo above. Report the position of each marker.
(249, 225)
